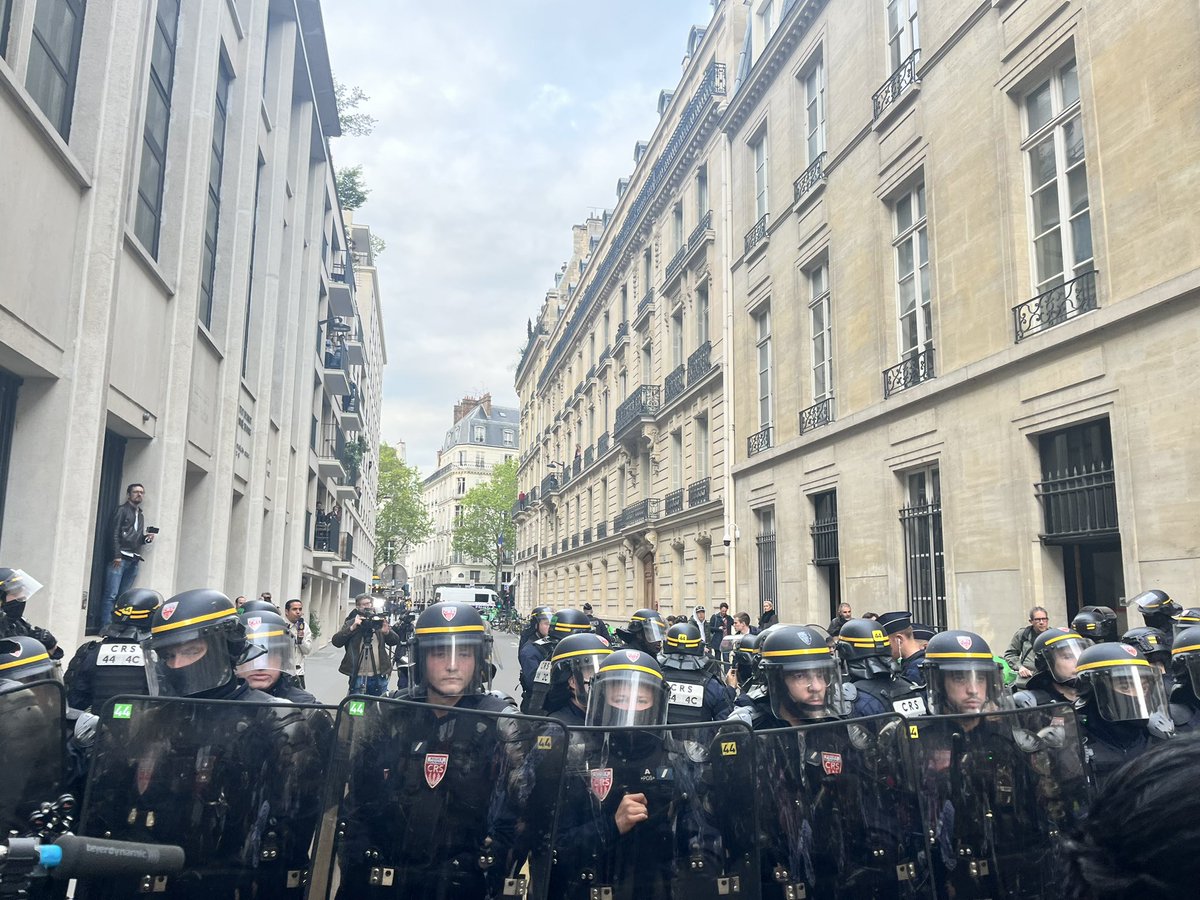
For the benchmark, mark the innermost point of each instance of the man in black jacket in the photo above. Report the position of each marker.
(127, 535)
(15, 590)
(368, 639)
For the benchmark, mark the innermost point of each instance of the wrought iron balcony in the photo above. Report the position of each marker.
(576, 466)
(641, 405)
(674, 384)
(810, 178)
(825, 541)
(698, 492)
(1079, 504)
(646, 305)
(638, 514)
(673, 502)
(820, 413)
(622, 334)
(602, 531)
(904, 76)
(605, 356)
(675, 267)
(589, 456)
(1055, 306)
(757, 234)
(602, 444)
(697, 235)
(591, 373)
(759, 441)
(699, 363)
(908, 372)
(549, 485)
(533, 496)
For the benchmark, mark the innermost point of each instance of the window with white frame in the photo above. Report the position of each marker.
(913, 294)
(1060, 212)
(677, 226)
(702, 314)
(701, 447)
(763, 356)
(508, 437)
(701, 192)
(677, 459)
(479, 434)
(677, 338)
(759, 147)
(904, 36)
(820, 317)
(766, 20)
(814, 109)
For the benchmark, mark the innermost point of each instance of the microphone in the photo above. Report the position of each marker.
(72, 856)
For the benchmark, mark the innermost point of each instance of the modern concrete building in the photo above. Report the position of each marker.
(966, 291)
(625, 436)
(483, 435)
(178, 303)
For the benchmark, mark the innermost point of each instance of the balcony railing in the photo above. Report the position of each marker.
(908, 372)
(621, 334)
(1080, 503)
(333, 443)
(1055, 306)
(348, 547)
(825, 541)
(576, 466)
(810, 178)
(335, 359)
(673, 502)
(589, 456)
(350, 400)
(646, 304)
(644, 401)
(587, 535)
(699, 363)
(602, 531)
(639, 513)
(325, 537)
(674, 384)
(759, 441)
(602, 444)
(702, 226)
(549, 485)
(820, 413)
(675, 266)
(757, 234)
(905, 75)
(591, 373)
(698, 492)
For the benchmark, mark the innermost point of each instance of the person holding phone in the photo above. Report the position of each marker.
(293, 611)
(128, 536)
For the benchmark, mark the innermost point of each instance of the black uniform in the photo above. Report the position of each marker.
(696, 694)
(12, 624)
(1109, 745)
(100, 670)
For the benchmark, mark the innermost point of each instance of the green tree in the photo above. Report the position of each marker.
(348, 97)
(352, 192)
(403, 521)
(486, 515)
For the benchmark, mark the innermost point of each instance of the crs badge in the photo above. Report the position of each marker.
(449, 612)
(602, 780)
(254, 623)
(168, 610)
(634, 656)
(964, 642)
(435, 768)
(831, 763)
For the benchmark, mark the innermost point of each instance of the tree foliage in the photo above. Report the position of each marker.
(486, 514)
(348, 97)
(402, 522)
(351, 190)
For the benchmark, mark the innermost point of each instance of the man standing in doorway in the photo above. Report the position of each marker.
(127, 536)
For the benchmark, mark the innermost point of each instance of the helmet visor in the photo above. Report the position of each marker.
(28, 666)
(187, 664)
(20, 586)
(1063, 655)
(653, 630)
(1192, 663)
(451, 665)
(1182, 623)
(966, 690)
(812, 691)
(623, 697)
(1129, 693)
(582, 671)
(274, 657)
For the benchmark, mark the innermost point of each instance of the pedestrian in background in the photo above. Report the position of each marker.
(722, 627)
(1019, 654)
(768, 616)
(293, 611)
(127, 536)
(844, 615)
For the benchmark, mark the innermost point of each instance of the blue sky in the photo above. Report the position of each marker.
(500, 125)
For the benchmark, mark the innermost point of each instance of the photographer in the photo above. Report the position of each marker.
(367, 638)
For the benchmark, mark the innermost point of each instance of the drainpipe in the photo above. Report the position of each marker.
(727, 376)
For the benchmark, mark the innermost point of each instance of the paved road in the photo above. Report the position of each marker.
(329, 685)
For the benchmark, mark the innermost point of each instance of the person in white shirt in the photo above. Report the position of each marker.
(293, 611)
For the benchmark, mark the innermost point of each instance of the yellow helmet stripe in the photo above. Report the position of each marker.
(453, 629)
(594, 651)
(1187, 649)
(1105, 663)
(810, 651)
(692, 642)
(24, 662)
(260, 634)
(632, 668)
(130, 613)
(958, 655)
(1063, 637)
(862, 642)
(207, 617)
(587, 627)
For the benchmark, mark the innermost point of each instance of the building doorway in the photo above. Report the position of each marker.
(109, 497)
(1094, 576)
(648, 598)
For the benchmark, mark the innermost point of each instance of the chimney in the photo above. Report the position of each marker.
(486, 402)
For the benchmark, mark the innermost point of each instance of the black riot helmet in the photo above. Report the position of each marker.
(267, 631)
(745, 657)
(196, 639)
(645, 626)
(1157, 608)
(566, 622)
(1185, 620)
(1152, 642)
(577, 657)
(1057, 651)
(26, 659)
(683, 639)
(451, 651)
(865, 649)
(1123, 685)
(802, 675)
(258, 605)
(540, 614)
(628, 690)
(132, 613)
(962, 676)
(16, 587)
(1185, 657)
(1097, 623)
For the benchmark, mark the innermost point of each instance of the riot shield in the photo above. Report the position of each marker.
(31, 735)
(696, 840)
(237, 785)
(838, 816)
(996, 789)
(439, 802)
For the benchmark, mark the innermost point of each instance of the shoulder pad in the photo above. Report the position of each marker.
(1028, 699)
(1181, 713)
(498, 701)
(849, 691)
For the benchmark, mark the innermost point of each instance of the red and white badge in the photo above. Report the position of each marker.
(964, 642)
(634, 656)
(602, 780)
(1132, 651)
(254, 623)
(831, 763)
(449, 612)
(168, 610)
(435, 768)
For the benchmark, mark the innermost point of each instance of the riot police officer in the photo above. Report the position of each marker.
(1125, 710)
(961, 675)
(802, 678)
(645, 632)
(271, 670)
(696, 694)
(1186, 619)
(1155, 645)
(907, 650)
(115, 664)
(574, 663)
(1056, 652)
(24, 659)
(1185, 699)
(548, 692)
(874, 688)
(16, 589)
(537, 627)
(1158, 610)
(1096, 623)
(744, 664)
(533, 650)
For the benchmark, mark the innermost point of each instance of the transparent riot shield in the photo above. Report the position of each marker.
(691, 788)
(996, 789)
(438, 802)
(838, 816)
(31, 735)
(237, 785)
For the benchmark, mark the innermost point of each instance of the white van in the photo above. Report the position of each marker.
(480, 597)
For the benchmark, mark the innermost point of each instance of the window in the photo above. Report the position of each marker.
(912, 273)
(702, 313)
(763, 323)
(647, 362)
(53, 58)
(606, 330)
(647, 269)
(766, 19)
(1060, 213)
(592, 349)
(760, 176)
(5, 20)
(458, 511)
(624, 303)
(677, 338)
(701, 448)
(479, 462)
(765, 542)
(701, 192)
(677, 459)
(903, 35)
(1078, 488)
(478, 434)
(925, 567)
(460, 486)
(462, 457)
(606, 419)
(508, 437)
(677, 226)
(475, 576)
(208, 268)
(814, 111)
(824, 532)
(250, 274)
(148, 215)
(822, 333)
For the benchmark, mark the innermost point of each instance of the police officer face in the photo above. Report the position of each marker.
(543, 627)
(966, 690)
(450, 669)
(808, 686)
(626, 697)
(264, 676)
(180, 656)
